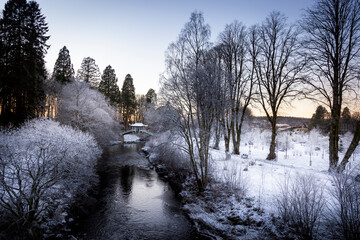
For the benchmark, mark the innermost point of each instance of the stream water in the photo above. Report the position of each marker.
(134, 203)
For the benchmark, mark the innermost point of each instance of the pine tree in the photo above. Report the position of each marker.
(346, 121)
(23, 46)
(128, 99)
(108, 86)
(151, 96)
(346, 115)
(63, 69)
(320, 119)
(89, 72)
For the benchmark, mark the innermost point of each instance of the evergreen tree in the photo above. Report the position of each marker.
(89, 72)
(320, 119)
(128, 99)
(63, 69)
(346, 115)
(108, 86)
(22, 67)
(346, 123)
(151, 96)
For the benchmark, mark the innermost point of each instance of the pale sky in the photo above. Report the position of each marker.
(133, 35)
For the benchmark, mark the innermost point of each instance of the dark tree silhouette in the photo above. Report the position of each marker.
(108, 86)
(128, 99)
(320, 119)
(150, 96)
(278, 67)
(22, 67)
(333, 43)
(63, 69)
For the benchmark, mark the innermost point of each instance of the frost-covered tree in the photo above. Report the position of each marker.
(108, 86)
(23, 46)
(86, 108)
(188, 86)
(63, 69)
(128, 99)
(43, 167)
(89, 72)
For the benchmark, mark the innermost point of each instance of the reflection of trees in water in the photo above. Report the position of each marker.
(148, 177)
(127, 174)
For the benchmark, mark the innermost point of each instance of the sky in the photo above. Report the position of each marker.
(133, 35)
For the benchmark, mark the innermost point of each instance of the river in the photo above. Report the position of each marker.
(133, 203)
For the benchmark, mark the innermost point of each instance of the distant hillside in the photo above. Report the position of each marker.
(292, 121)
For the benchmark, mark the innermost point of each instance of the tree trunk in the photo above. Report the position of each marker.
(217, 135)
(227, 136)
(272, 155)
(334, 138)
(353, 145)
(236, 134)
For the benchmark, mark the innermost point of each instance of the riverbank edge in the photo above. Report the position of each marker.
(245, 218)
(177, 183)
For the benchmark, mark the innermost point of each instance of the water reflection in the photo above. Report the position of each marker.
(134, 202)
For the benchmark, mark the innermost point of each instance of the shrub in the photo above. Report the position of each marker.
(43, 167)
(301, 203)
(344, 217)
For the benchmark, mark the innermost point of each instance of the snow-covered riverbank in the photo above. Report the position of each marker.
(242, 199)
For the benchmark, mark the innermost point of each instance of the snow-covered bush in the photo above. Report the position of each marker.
(43, 167)
(301, 203)
(168, 153)
(161, 119)
(344, 217)
(86, 108)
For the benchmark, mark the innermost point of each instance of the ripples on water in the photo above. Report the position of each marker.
(134, 203)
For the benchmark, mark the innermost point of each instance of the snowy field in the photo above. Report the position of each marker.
(299, 155)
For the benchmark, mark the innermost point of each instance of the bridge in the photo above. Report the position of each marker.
(137, 128)
(136, 131)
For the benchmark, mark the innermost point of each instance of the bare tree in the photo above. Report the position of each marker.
(278, 68)
(239, 81)
(188, 86)
(220, 96)
(332, 42)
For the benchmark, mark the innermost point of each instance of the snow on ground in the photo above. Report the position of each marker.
(298, 153)
(225, 210)
(301, 153)
(131, 138)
